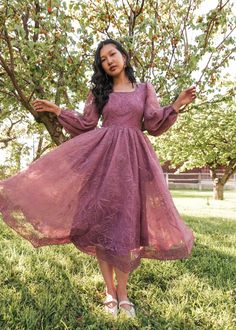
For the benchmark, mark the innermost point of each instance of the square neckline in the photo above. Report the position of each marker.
(136, 87)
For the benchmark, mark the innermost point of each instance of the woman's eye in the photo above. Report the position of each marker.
(111, 55)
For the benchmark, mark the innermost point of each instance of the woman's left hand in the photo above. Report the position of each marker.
(184, 98)
(187, 96)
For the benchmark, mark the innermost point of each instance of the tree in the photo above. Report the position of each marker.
(47, 50)
(206, 137)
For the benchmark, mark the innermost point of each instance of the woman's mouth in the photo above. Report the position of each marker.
(112, 68)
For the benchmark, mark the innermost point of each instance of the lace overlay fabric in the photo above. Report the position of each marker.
(104, 189)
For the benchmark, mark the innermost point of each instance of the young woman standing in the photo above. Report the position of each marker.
(104, 190)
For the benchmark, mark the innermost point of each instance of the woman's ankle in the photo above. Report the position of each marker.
(121, 293)
(111, 291)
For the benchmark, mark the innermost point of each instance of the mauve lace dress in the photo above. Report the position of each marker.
(104, 189)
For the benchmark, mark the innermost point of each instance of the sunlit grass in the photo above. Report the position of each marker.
(57, 287)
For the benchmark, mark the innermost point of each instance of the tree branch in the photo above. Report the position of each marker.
(174, 45)
(36, 22)
(208, 62)
(125, 9)
(41, 150)
(21, 95)
(6, 142)
(230, 169)
(25, 18)
(9, 48)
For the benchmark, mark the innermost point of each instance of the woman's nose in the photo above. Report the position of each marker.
(109, 60)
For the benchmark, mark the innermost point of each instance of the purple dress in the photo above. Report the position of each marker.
(104, 189)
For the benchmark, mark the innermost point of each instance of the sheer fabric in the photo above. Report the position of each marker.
(104, 189)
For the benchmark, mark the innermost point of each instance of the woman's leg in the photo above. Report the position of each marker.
(121, 290)
(107, 271)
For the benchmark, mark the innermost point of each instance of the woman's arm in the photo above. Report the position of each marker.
(157, 119)
(73, 122)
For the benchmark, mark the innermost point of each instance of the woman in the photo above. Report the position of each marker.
(104, 189)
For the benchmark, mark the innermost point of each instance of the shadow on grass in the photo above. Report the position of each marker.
(58, 290)
(211, 225)
(49, 295)
(52, 298)
(211, 265)
(212, 256)
(207, 261)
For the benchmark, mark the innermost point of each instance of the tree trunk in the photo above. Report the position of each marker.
(218, 190)
(218, 185)
(219, 182)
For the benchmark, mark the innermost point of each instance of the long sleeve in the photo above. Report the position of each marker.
(157, 119)
(76, 123)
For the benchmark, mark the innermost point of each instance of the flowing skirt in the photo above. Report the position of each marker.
(105, 192)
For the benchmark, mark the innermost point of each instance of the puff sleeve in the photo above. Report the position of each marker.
(156, 119)
(76, 123)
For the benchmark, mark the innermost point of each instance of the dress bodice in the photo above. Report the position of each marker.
(125, 108)
(138, 109)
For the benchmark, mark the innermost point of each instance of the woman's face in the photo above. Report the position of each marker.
(112, 60)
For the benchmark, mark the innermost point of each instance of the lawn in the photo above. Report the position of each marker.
(57, 287)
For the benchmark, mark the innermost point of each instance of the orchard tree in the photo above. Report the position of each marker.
(36, 61)
(204, 136)
(47, 50)
(39, 58)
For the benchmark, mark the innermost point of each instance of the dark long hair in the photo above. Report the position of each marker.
(103, 83)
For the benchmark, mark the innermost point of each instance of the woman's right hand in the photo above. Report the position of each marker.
(44, 105)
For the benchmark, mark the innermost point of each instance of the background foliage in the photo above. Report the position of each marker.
(47, 51)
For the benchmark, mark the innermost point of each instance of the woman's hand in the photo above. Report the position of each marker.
(44, 105)
(185, 97)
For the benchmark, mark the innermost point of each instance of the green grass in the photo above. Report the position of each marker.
(57, 287)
